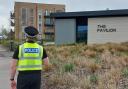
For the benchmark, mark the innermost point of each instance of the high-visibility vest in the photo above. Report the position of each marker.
(30, 57)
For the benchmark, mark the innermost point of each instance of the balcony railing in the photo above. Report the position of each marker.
(49, 22)
(12, 15)
(12, 23)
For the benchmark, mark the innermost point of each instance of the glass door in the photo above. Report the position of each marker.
(81, 29)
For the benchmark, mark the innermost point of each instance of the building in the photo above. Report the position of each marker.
(37, 15)
(91, 27)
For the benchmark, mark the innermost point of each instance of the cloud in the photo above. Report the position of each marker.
(3, 2)
(4, 21)
(4, 13)
(25, 0)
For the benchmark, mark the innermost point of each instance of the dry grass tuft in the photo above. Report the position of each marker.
(88, 53)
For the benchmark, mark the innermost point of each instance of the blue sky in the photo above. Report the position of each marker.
(71, 5)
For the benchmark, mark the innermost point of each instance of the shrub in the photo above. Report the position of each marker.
(69, 67)
(94, 79)
(5, 43)
(125, 72)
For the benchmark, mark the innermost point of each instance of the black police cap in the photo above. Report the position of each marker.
(31, 31)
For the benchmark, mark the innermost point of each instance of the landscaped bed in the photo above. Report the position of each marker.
(87, 67)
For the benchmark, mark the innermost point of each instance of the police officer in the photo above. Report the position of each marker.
(28, 59)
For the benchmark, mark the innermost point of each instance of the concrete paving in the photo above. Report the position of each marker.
(5, 58)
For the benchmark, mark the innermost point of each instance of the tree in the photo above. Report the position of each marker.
(4, 31)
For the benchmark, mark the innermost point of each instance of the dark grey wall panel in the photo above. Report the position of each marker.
(65, 31)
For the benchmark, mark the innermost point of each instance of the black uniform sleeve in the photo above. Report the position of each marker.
(16, 53)
(44, 54)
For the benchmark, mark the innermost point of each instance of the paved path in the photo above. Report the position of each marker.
(5, 57)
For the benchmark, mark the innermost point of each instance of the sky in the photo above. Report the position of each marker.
(71, 6)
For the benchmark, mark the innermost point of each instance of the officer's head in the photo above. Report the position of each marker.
(31, 33)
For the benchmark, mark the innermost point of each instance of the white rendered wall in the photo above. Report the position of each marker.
(107, 29)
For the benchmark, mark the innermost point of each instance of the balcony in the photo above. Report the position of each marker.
(49, 36)
(46, 16)
(49, 24)
(12, 15)
(12, 23)
(49, 33)
(49, 30)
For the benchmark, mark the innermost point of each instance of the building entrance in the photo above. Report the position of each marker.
(81, 29)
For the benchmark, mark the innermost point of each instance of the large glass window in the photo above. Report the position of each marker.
(82, 33)
(81, 30)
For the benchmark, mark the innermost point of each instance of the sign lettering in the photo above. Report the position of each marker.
(31, 50)
(104, 28)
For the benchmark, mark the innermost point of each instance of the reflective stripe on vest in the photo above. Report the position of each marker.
(30, 57)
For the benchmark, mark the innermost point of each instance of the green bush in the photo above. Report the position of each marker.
(125, 72)
(93, 78)
(5, 43)
(69, 67)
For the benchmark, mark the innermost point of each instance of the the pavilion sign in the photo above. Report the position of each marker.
(104, 28)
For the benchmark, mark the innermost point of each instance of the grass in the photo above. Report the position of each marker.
(68, 67)
(125, 72)
(94, 79)
(80, 66)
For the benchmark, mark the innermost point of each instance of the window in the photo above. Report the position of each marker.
(31, 12)
(47, 21)
(46, 12)
(51, 21)
(32, 21)
(31, 16)
(82, 33)
(24, 16)
(40, 28)
(40, 18)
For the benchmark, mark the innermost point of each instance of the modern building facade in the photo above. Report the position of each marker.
(37, 15)
(91, 27)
